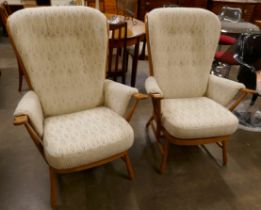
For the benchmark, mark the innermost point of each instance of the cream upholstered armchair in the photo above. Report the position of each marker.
(188, 102)
(74, 116)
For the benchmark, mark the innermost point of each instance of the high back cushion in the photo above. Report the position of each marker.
(182, 42)
(64, 51)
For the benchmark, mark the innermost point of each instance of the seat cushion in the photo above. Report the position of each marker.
(198, 117)
(85, 137)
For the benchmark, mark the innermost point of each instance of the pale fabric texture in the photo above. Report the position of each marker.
(64, 50)
(117, 96)
(183, 43)
(30, 105)
(198, 117)
(84, 137)
(222, 90)
(63, 53)
(152, 86)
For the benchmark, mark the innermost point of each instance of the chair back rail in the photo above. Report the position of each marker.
(117, 51)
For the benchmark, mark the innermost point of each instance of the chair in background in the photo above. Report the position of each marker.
(73, 114)
(7, 7)
(230, 14)
(224, 58)
(117, 65)
(5, 13)
(181, 46)
(248, 56)
(226, 40)
(143, 52)
(142, 55)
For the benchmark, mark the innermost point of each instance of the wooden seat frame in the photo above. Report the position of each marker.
(161, 133)
(38, 140)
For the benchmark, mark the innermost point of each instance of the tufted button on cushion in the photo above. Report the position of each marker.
(197, 118)
(84, 137)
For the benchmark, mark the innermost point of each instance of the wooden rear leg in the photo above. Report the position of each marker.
(130, 169)
(53, 188)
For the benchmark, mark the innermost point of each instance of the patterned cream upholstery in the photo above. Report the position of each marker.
(152, 86)
(84, 137)
(222, 90)
(62, 56)
(183, 43)
(117, 96)
(198, 117)
(72, 107)
(188, 102)
(30, 105)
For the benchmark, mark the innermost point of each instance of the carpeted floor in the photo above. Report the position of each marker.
(194, 179)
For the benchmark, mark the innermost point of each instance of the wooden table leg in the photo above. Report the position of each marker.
(135, 63)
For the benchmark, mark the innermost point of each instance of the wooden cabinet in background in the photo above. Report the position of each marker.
(193, 3)
(257, 13)
(145, 6)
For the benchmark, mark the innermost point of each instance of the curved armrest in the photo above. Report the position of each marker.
(117, 96)
(243, 94)
(222, 90)
(30, 107)
(137, 97)
(248, 91)
(152, 86)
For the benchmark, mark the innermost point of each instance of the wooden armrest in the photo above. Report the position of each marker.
(24, 119)
(156, 96)
(19, 120)
(248, 91)
(140, 96)
(244, 92)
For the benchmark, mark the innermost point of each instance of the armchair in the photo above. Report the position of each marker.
(73, 114)
(188, 102)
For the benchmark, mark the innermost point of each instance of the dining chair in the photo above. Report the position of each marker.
(76, 118)
(5, 12)
(189, 104)
(143, 52)
(117, 65)
(224, 60)
(230, 14)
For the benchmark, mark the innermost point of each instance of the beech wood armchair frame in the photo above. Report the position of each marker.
(38, 140)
